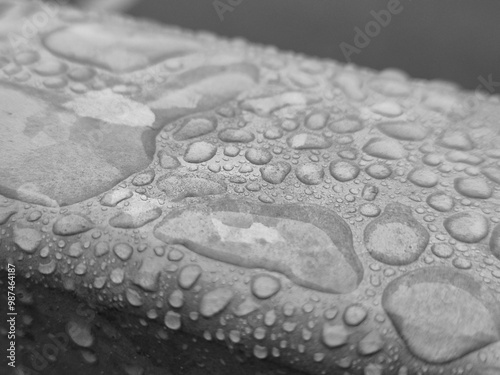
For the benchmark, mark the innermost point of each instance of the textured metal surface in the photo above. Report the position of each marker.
(325, 218)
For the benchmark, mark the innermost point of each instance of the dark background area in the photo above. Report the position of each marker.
(456, 40)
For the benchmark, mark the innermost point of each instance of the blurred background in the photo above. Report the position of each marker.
(456, 40)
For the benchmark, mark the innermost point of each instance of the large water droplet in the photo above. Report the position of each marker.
(311, 245)
(440, 201)
(305, 141)
(310, 173)
(199, 152)
(354, 315)
(265, 286)
(384, 149)
(495, 242)
(423, 177)
(343, 170)
(275, 173)
(469, 227)
(114, 197)
(236, 135)
(103, 45)
(215, 301)
(195, 127)
(473, 187)
(79, 331)
(258, 156)
(72, 224)
(442, 314)
(134, 297)
(403, 131)
(136, 218)
(123, 251)
(334, 336)
(27, 239)
(188, 276)
(395, 237)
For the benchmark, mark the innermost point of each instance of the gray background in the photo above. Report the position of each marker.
(451, 40)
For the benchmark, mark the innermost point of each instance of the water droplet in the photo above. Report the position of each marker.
(440, 201)
(310, 173)
(144, 178)
(462, 263)
(493, 174)
(354, 315)
(429, 306)
(334, 336)
(236, 135)
(72, 224)
(371, 343)
(473, 187)
(273, 234)
(468, 227)
(136, 219)
(351, 84)
(350, 124)
(275, 173)
(101, 248)
(168, 161)
(316, 120)
(117, 275)
(369, 192)
(260, 352)
(495, 242)
(258, 156)
(133, 297)
(176, 299)
(27, 239)
(114, 197)
(378, 171)
(123, 251)
(423, 177)
(81, 74)
(403, 131)
(343, 170)
(456, 140)
(215, 301)
(195, 127)
(50, 68)
(395, 237)
(188, 276)
(387, 109)
(6, 213)
(369, 210)
(305, 141)
(442, 250)
(80, 333)
(173, 320)
(265, 286)
(384, 149)
(75, 250)
(103, 46)
(26, 57)
(47, 268)
(199, 152)
(270, 318)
